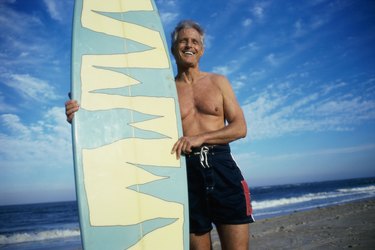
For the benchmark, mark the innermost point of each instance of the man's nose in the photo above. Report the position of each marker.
(189, 44)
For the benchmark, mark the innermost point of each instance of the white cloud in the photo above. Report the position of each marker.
(321, 152)
(302, 28)
(299, 28)
(208, 40)
(283, 110)
(257, 73)
(271, 59)
(44, 144)
(247, 22)
(252, 156)
(10, 17)
(171, 3)
(257, 166)
(318, 22)
(238, 85)
(31, 88)
(227, 69)
(168, 17)
(28, 45)
(364, 109)
(239, 82)
(333, 87)
(13, 124)
(53, 9)
(258, 11)
(57, 9)
(250, 46)
(223, 70)
(169, 13)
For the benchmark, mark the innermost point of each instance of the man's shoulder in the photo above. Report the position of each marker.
(216, 78)
(214, 75)
(219, 80)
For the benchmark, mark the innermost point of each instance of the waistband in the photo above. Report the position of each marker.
(210, 149)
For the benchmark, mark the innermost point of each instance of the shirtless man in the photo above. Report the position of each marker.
(211, 118)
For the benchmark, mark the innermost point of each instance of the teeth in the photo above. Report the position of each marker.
(189, 53)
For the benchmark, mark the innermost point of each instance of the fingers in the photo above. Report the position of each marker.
(182, 146)
(187, 149)
(176, 149)
(71, 106)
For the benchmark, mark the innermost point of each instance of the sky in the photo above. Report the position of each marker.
(303, 73)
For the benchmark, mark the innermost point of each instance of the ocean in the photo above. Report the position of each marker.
(55, 225)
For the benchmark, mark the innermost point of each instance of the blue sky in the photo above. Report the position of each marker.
(303, 72)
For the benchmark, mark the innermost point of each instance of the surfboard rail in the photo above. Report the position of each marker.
(132, 193)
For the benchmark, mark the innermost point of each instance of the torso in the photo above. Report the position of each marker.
(201, 104)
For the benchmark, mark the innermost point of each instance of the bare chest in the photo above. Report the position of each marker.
(200, 99)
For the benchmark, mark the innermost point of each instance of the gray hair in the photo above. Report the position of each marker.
(186, 24)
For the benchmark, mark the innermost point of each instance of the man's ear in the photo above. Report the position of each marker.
(202, 51)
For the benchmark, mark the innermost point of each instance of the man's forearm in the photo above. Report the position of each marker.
(227, 134)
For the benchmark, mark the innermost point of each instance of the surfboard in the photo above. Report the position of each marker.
(131, 191)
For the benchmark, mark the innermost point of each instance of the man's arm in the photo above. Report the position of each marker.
(236, 124)
(235, 129)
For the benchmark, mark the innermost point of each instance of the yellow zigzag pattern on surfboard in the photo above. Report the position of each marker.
(109, 170)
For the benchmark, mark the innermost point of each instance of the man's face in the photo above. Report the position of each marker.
(189, 48)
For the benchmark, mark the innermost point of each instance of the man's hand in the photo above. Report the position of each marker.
(185, 144)
(71, 107)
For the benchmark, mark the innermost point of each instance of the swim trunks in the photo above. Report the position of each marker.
(218, 192)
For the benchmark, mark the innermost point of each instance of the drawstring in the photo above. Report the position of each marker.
(203, 157)
(209, 178)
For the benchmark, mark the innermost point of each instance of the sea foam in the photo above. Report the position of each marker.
(38, 236)
(366, 191)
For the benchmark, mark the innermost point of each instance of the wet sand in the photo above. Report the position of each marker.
(345, 226)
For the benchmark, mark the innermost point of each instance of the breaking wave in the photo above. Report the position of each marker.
(37, 236)
(365, 192)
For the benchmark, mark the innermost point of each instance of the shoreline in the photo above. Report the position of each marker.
(342, 226)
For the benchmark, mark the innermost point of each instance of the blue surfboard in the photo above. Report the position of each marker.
(131, 191)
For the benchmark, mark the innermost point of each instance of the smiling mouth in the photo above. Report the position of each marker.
(189, 53)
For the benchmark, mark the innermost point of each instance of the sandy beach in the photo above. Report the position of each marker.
(344, 226)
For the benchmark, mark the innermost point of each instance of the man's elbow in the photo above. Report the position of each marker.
(242, 131)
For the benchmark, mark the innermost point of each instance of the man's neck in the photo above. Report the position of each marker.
(188, 75)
